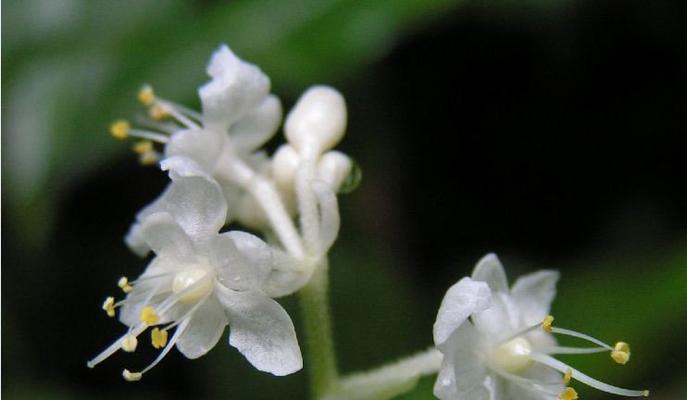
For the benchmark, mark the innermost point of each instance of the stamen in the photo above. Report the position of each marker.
(111, 349)
(621, 353)
(149, 158)
(173, 111)
(573, 350)
(149, 316)
(146, 95)
(142, 147)
(157, 112)
(123, 284)
(586, 379)
(546, 324)
(158, 337)
(520, 333)
(530, 384)
(182, 327)
(143, 134)
(132, 376)
(109, 306)
(120, 129)
(568, 394)
(568, 332)
(567, 376)
(129, 343)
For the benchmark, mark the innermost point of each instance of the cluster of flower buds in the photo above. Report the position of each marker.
(201, 278)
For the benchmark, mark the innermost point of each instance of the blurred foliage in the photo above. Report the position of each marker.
(71, 66)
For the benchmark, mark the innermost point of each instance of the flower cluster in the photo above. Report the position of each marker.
(200, 279)
(498, 341)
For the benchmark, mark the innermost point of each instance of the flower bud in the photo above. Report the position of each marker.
(333, 169)
(318, 120)
(284, 165)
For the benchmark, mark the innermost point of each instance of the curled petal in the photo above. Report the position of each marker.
(262, 331)
(258, 126)
(462, 300)
(204, 330)
(244, 260)
(533, 293)
(490, 270)
(202, 146)
(161, 233)
(236, 87)
(194, 199)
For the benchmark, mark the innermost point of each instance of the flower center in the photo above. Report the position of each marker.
(512, 356)
(195, 283)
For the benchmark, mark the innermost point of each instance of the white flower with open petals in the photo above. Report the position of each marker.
(239, 115)
(200, 281)
(497, 341)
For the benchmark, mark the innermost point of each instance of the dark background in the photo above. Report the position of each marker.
(548, 132)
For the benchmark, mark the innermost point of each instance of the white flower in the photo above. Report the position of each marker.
(200, 281)
(239, 116)
(497, 341)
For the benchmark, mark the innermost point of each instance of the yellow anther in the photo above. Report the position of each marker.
(142, 147)
(158, 337)
(621, 353)
(108, 306)
(123, 284)
(120, 129)
(129, 343)
(146, 95)
(149, 316)
(568, 394)
(149, 158)
(157, 112)
(567, 376)
(645, 393)
(132, 376)
(547, 323)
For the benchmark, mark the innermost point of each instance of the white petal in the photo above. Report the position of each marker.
(204, 330)
(286, 276)
(469, 371)
(133, 238)
(257, 126)
(236, 87)
(262, 331)
(461, 300)
(161, 233)
(534, 293)
(329, 215)
(445, 385)
(202, 146)
(194, 199)
(244, 260)
(500, 320)
(490, 270)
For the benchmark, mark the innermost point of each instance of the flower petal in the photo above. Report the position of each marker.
(202, 146)
(490, 270)
(194, 199)
(161, 233)
(257, 126)
(533, 293)
(204, 330)
(133, 238)
(244, 260)
(286, 276)
(262, 331)
(463, 371)
(461, 300)
(236, 87)
(329, 215)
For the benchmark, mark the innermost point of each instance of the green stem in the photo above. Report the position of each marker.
(320, 355)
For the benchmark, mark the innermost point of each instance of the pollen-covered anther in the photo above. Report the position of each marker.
(120, 129)
(142, 147)
(547, 323)
(132, 376)
(158, 337)
(129, 343)
(146, 95)
(621, 353)
(149, 158)
(158, 112)
(123, 284)
(148, 316)
(568, 394)
(567, 376)
(109, 306)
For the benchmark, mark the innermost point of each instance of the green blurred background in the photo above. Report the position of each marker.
(547, 131)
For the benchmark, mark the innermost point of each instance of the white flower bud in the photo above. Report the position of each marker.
(284, 165)
(333, 168)
(318, 120)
